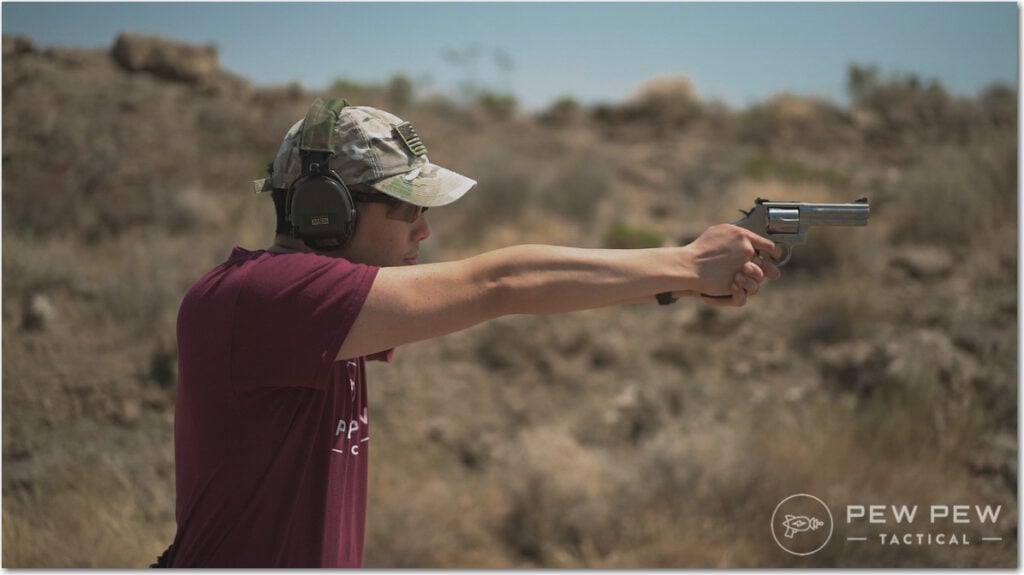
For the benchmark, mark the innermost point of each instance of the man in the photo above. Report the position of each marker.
(271, 423)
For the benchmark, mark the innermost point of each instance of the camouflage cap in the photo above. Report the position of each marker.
(375, 148)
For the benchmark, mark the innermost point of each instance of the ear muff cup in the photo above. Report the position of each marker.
(319, 207)
(321, 211)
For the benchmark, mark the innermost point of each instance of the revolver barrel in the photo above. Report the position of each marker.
(786, 217)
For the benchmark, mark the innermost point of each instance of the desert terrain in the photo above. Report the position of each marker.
(881, 369)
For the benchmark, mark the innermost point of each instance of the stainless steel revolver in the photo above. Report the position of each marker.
(786, 224)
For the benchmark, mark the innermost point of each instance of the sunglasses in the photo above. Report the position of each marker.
(397, 210)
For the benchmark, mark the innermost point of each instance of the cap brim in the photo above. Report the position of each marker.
(429, 186)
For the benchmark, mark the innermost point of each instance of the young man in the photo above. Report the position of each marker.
(271, 422)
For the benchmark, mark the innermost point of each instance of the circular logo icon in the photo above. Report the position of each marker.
(802, 524)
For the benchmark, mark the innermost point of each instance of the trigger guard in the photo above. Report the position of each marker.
(787, 253)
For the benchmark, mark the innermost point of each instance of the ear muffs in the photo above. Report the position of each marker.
(319, 207)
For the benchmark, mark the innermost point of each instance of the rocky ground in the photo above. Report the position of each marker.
(882, 368)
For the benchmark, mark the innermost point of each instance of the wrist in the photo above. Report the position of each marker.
(683, 270)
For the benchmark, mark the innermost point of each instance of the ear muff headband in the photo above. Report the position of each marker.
(318, 127)
(319, 207)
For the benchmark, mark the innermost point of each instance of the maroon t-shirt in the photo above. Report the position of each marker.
(271, 433)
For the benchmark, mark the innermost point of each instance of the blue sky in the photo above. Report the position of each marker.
(595, 52)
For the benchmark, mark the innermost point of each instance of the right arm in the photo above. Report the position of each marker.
(414, 303)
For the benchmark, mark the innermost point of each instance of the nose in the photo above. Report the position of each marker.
(422, 230)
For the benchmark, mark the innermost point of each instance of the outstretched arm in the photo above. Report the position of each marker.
(414, 303)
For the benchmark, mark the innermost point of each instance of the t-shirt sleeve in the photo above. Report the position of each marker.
(292, 317)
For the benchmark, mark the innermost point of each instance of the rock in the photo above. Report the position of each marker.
(924, 262)
(39, 313)
(164, 58)
(128, 412)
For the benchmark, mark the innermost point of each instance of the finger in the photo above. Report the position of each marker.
(718, 302)
(736, 298)
(753, 271)
(771, 271)
(739, 296)
(746, 284)
(763, 244)
(766, 246)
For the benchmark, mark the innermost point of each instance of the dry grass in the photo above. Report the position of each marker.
(958, 197)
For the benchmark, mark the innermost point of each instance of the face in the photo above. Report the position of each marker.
(384, 241)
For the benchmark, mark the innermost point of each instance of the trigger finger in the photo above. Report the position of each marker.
(771, 271)
(763, 244)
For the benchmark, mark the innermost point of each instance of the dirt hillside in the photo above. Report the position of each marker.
(882, 368)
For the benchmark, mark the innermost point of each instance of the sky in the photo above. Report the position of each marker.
(741, 53)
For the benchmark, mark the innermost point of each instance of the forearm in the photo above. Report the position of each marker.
(532, 279)
(414, 303)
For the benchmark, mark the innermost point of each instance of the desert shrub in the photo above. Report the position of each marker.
(565, 111)
(840, 309)
(357, 92)
(903, 109)
(958, 197)
(803, 121)
(998, 106)
(668, 100)
(577, 189)
(400, 93)
(92, 506)
(765, 165)
(558, 501)
(665, 104)
(506, 188)
(914, 418)
(623, 236)
(497, 106)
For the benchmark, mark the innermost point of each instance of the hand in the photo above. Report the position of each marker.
(746, 282)
(726, 262)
